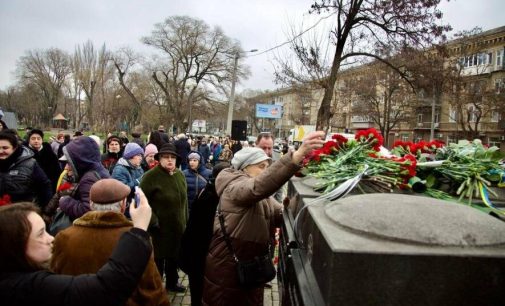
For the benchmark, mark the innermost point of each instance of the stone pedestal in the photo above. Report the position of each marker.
(389, 249)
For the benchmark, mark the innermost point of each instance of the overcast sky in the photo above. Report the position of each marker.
(257, 24)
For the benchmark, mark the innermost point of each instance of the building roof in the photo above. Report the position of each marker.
(59, 117)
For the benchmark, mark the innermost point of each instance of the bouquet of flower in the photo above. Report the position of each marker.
(341, 159)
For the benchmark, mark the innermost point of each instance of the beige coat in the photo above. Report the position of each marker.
(251, 215)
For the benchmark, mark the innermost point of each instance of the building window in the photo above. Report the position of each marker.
(499, 59)
(405, 137)
(452, 115)
(495, 116)
(437, 118)
(473, 114)
(420, 118)
(494, 141)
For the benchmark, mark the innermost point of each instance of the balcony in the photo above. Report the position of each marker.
(425, 125)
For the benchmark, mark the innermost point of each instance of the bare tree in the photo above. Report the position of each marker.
(361, 28)
(45, 71)
(125, 60)
(383, 96)
(193, 57)
(92, 69)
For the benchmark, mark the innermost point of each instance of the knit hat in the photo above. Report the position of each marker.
(108, 191)
(248, 156)
(36, 131)
(194, 155)
(132, 149)
(150, 149)
(96, 139)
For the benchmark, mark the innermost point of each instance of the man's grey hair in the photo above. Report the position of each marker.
(107, 207)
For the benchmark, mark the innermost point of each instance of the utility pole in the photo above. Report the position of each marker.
(232, 93)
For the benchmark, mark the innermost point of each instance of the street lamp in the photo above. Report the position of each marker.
(232, 93)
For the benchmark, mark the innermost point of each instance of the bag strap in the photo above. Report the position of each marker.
(225, 234)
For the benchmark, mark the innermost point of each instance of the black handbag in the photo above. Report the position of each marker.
(251, 273)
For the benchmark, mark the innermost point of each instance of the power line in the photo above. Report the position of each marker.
(291, 40)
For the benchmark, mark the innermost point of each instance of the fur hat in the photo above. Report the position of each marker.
(108, 191)
(168, 148)
(132, 149)
(150, 149)
(248, 156)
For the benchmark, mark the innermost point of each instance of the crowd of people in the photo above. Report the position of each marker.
(79, 188)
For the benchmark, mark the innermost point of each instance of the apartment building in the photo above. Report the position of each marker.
(471, 105)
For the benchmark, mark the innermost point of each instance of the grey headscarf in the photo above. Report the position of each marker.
(248, 156)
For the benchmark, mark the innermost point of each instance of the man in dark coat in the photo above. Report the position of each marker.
(44, 155)
(182, 148)
(204, 149)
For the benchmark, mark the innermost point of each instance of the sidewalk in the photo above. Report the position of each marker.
(271, 295)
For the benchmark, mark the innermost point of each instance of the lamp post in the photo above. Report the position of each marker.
(232, 93)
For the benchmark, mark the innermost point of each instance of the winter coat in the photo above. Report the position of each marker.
(205, 152)
(48, 161)
(126, 173)
(196, 239)
(110, 159)
(250, 215)
(23, 179)
(83, 156)
(182, 148)
(77, 251)
(139, 141)
(169, 203)
(112, 285)
(196, 180)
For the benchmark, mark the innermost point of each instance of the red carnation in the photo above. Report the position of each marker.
(65, 186)
(5, 200)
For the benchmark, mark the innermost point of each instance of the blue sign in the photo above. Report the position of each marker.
(272, 111)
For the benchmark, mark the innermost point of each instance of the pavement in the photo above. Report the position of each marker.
(271, 295)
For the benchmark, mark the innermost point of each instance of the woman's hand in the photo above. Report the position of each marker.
(141, 215)
(313, 140)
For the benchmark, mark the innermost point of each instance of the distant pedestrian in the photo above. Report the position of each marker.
(182, 148)
(113, 154)
(163, 134)
(196, 175)
(45, 157)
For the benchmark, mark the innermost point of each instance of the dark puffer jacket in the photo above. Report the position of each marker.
(250, 215)
(23, 179)
(196, 180)
(83, 156)
(112, 285)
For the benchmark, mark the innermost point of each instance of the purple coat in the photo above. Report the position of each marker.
(83, 155)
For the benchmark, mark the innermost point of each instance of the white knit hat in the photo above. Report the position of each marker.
(248, 156)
